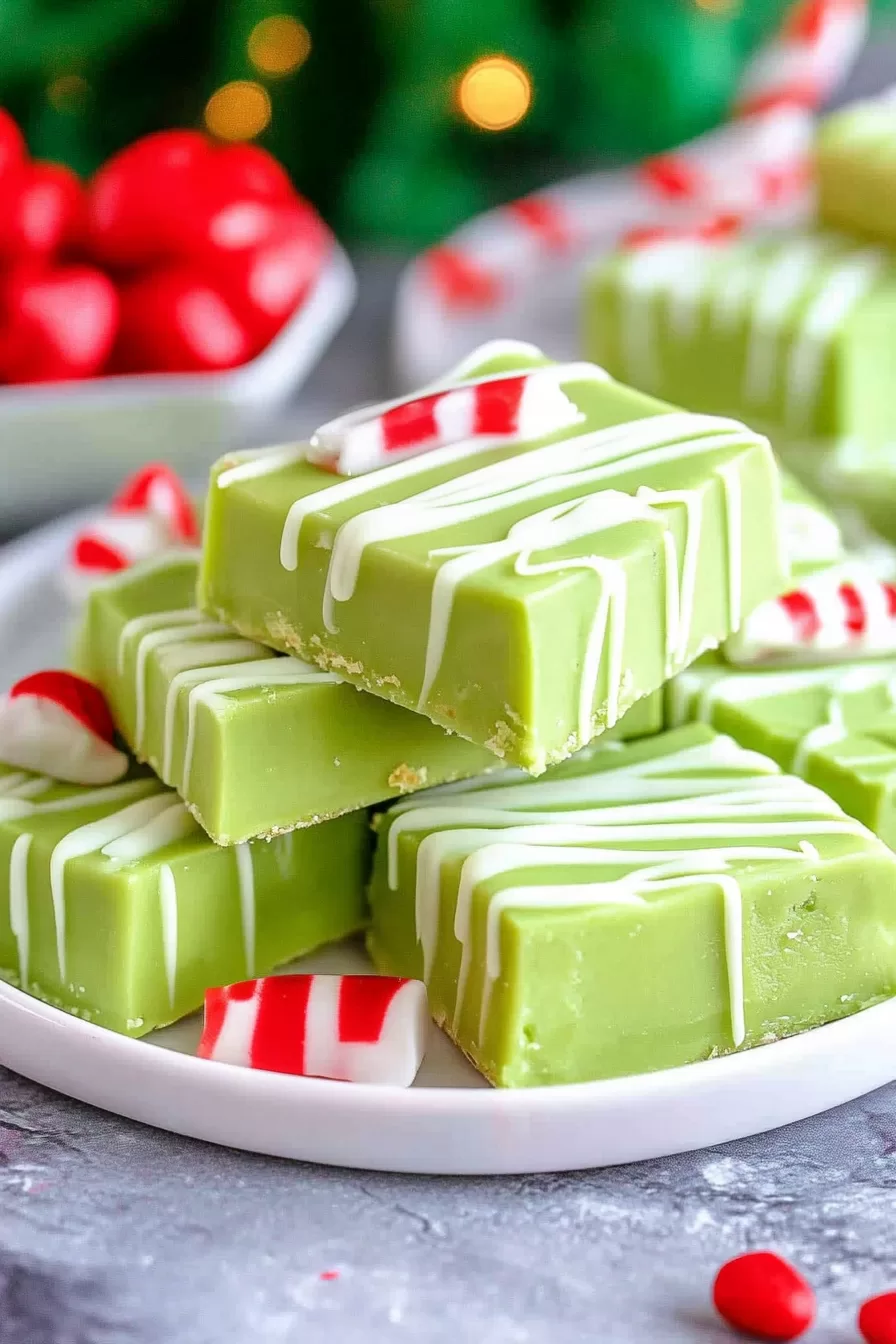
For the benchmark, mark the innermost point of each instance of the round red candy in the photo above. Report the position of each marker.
(762, 1295)
(12, 145)
(42, 212)
(877, 1319)
(173, 321)
(57, 324)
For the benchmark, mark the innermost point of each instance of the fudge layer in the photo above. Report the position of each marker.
(793, 332)
(525, 594)
(116, 907)
(643, 906)
(255, 743)
(835, 726)
(855, 169)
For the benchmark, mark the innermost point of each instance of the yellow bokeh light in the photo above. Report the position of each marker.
(279, 45)
(239, 110)
(717, 6)
(67, 92)
(495, 93)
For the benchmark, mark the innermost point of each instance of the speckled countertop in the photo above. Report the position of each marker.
(112, 1232)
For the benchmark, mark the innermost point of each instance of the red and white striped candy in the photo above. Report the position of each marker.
(353, 1028)
(802, 65)
(845, 612)
(152, 513)
(58, 724)
(525, 405)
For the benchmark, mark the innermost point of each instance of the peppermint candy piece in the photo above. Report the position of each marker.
(352, 1028)
(492, 409)
(151, 513)
(58, 724)
(840, 613)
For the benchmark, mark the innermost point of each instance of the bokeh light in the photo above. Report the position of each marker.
(279, 45)
(495, 93)
(717, 6)
(239, 110)
(67, 93)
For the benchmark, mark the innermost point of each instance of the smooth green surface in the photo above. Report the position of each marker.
(512, 667)
(142, 939)
(835, 726)
(584, 986)
(262, 758)
(855, 169)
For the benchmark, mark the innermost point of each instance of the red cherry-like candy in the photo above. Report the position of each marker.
(249, 170)
(174, 321)
(762, 1295)
(877, 1319)
(12, 145)
(57, 324)
(42, 212)
(138, 200)
(266, 284)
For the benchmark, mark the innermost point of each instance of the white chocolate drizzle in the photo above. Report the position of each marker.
(793, 297)
(679, 819)
(245, 873)
(168, 916)
(19, 919)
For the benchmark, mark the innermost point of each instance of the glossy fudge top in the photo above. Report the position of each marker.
(480, 542)
(614, 827)
(771, 327)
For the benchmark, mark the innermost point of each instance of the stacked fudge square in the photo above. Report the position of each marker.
(791, 331)
(413, 684)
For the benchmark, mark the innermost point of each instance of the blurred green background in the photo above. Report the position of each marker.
(399, 118)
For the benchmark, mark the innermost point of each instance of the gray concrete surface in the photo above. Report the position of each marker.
(111, 1232)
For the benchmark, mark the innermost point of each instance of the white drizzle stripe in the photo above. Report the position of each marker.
(257, 462)
(87, 840)
(168, 913)
(191, 664)
(245, 873)
(18, 902)
(139, 626)
(169, 826)
(789, 269)
(843, 287)
(205, 688)
(713, 822)
(20, 785)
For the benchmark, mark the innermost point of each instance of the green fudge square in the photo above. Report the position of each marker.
(255, 743)
(855, 169)
(833, 725)
(650, 532)
(642, 906)
(116, 907)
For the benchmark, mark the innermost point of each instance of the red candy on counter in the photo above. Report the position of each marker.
(56, 325)
(762, 1295)
(877, 1319)
(12, 146)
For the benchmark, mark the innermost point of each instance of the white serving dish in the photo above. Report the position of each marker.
(449, 1122)
(66, 443)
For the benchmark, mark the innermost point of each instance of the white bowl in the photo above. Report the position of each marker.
(66, 443)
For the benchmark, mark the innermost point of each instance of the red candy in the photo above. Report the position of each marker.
(172, 321)
(56, 325)
(42, 212)
(877, 1319)
(352, 1028)
(60, 725)
(763, 1296)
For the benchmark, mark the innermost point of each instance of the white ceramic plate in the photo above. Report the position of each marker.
(449, 1123)
(67, 443)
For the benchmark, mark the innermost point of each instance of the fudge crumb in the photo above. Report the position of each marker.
(282, 633)
(503, 738)
(389, 681)
(324, 542)
(405, 778)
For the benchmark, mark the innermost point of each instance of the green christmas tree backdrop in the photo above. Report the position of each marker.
(400, 118)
